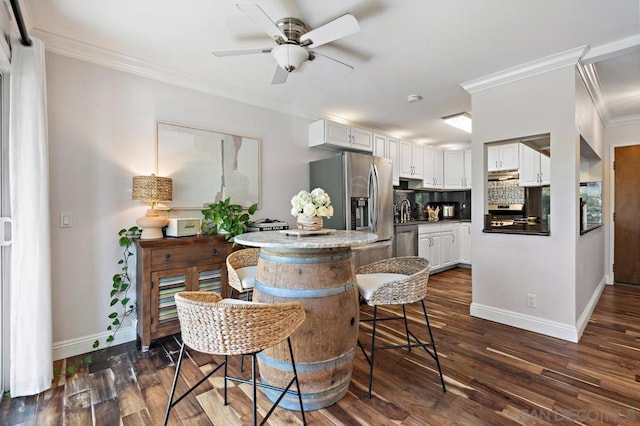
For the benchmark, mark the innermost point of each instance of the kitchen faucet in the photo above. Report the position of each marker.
(405, 211)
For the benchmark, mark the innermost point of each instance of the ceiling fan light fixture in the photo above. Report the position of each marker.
(461, 120)
(289, 56)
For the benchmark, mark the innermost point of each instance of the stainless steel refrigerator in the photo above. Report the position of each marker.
(361, 191)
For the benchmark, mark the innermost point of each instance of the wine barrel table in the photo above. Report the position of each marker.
(317, 271)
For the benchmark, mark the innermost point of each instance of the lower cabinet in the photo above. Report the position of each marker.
(464, 242)
(171, 265)
(437, 244)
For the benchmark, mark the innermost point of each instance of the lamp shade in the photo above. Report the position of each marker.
(151, 189)
(289, 56)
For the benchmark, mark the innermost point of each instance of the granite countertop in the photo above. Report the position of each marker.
(538, 228)
(278, 239)
(425, 222)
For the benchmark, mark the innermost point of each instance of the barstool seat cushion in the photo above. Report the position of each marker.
(237, 301)
(368, 283)
(247, 276)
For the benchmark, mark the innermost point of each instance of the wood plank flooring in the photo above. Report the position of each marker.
(495, 375)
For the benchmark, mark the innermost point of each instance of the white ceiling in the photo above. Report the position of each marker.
(425, 47)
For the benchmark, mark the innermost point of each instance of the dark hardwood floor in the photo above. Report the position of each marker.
(495, 375)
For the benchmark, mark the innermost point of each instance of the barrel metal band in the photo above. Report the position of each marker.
(306, 366)
(311, 400)
(337, 257)
(303, 293)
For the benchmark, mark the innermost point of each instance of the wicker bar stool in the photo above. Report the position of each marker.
(396, 281)
(226, 327)
(241, 268)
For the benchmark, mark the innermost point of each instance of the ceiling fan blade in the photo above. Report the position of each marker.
(238, 52)
(338, 28)
(261, 19)
(334, 63)
(279, 76)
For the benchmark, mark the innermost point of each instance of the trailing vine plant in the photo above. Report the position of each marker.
(121, 286)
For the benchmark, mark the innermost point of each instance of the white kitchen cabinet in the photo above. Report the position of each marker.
(467, 169)
(329, 134)
(534, 167)
(411, 160)
(448, 248)
(437, 244)
(545, 170)
(433, 168)
(454, 176)
(464, 242)
(502, 157)
(430, 248)
(392, 152)
(380, 145)
(387, 147)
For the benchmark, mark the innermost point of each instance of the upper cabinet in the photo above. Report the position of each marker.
(387, 147)
(433, 168)
(394, 155)
(502, 157)
(329, 134)
(454, 170)
(467, 168)
(380, 145)
(411, 160)
(535, 167)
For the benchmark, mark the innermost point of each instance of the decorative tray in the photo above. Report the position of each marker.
(305, 233)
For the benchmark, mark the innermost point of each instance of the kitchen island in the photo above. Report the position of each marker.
(317, 271)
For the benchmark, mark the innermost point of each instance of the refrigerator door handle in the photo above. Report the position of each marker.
(376, 198)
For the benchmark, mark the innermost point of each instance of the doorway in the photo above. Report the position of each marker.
(626, 227)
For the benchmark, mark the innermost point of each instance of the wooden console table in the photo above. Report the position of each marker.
(167, 266)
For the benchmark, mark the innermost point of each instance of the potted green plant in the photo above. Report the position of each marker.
(121, 285)
(226, 218)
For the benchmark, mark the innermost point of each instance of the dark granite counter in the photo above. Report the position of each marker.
(426, 222)
(530, 228)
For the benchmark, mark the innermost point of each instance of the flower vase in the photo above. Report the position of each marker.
(307, 223)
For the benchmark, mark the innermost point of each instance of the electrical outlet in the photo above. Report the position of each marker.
(531, 300)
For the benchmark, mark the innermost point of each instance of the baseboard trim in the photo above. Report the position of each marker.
(82, 345)
(588, 310)
(527, 322)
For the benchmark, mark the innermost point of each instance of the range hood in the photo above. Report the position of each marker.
(503, 175)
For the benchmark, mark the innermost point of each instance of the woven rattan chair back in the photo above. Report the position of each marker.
(407, 290)
(240, 259)
(229, 328)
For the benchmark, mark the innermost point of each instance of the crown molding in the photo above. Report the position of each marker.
(611, 50)
(110, 59)
(589, 76)
(526, 70)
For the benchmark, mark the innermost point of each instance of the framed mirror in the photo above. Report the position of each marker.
(208, 166)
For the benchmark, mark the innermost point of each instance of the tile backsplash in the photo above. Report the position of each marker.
(505, 192)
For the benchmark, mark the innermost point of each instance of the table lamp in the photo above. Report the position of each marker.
(151, 190)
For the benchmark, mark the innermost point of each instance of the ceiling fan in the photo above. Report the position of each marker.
(293, 39)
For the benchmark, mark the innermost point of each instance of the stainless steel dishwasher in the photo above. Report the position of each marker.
(406, 240)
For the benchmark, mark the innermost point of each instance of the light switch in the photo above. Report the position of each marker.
(65, 220)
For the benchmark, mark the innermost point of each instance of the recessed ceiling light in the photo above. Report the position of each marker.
(413, 98)
(461, 120)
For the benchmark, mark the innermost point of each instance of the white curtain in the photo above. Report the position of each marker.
(31, 368)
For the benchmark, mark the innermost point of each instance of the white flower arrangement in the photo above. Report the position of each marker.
(310, 204)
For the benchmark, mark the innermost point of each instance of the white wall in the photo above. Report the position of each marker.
(590, 265)
(101, 133)
(505, 266)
